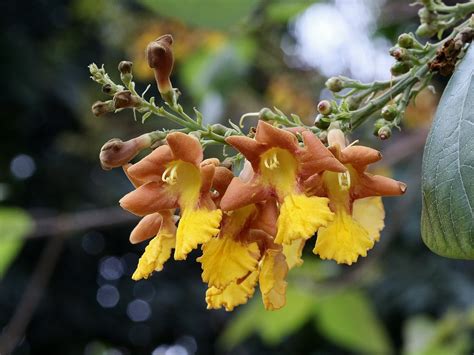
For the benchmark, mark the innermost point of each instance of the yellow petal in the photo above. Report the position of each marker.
(225, 260)
(369, 212)
(293, 253)
(301, 216)
(272, 280)
(157, 252)
(195, 227)
(343, 240)
(233, 294)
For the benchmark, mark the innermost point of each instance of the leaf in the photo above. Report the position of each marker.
(215, 14)
(283, 10)
(447, 221)
(273, 326)
(347, 319)
(14, 225)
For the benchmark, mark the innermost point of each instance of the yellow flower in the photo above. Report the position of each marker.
(174, 176)
(280, 166)
(355, 198)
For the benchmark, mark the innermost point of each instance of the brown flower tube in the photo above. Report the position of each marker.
(116, 153)
(160, 59)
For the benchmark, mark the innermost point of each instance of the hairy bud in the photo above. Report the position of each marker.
(399, 53)
(389, 112)
(378, 125)
(160, 59)
(334, 84)
(324, 107)
(125, 67)
(99, 107)
(426, 30)
(320, 122)
(399, 68)
(406, 41)
(125, 99)
(266, 114)
(116, 153)
(384, 133)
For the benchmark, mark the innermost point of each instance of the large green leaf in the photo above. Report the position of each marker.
(14, 225)
(347, 319)
(215, 14)
(447, 221)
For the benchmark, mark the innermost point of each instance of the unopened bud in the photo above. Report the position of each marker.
(426, 30)
(125, 99)
(384, 133)
(125, 67)
(324, 107)
(107, 89)
(399, 68)
(336, 137)
(389, 112)
(116, 153)
(399, 53)
(334, 84)
(99, 108)
(406, 41)
(266, 114)
(353, 102)
(320, 122)
(378, 125)
(160, 59)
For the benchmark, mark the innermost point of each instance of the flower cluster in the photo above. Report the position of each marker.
(252, 228)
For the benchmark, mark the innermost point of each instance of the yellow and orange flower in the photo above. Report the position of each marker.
(173, 176)
(355, 198)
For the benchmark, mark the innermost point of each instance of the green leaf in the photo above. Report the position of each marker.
(273, 326)
(347, 319)
(14, 225)
(215, 14)
(283, 11)
(447, 221)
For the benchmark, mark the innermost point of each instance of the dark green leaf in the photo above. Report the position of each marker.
(14, 225)
(216, 14)
(447, 221)
(347, 319)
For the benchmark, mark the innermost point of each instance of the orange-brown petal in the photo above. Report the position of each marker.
(147, 227)
(152, 166)
(267, 217)
(314, 186)
(135, 182)
(376, 185)
(149, 198)
(240, 194)
(250, 148)
(276, 137)
(207, 175)
(222, 179)
(315, 157)
(359, 156)
(185, 147)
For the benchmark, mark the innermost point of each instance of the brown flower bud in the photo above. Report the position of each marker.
(160, 59)
(116, 153)
(99, 107)
(125, 99)
(324, 107)
(125, 67)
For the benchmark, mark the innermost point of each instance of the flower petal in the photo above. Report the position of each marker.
(301, 216)
(276, 137)
(315, 157)
(149, 198)
(185, 147)
(207, 175)
(135, 182)
(376, 185)
(250, 148)
(370, 214)
(157, 252)
(272, 280)
(146, 228)
(240, 194)
(195, 227)
(222, 179)
(233, 295)
(225, 260)
(360, 156)
(343, 240)
(293, 253)
(152, 166)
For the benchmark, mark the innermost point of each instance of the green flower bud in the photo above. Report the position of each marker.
(389, 112)
(334, 84)
(320, 122)
(324, 107)
(353, 102)
(266, 114)
(378, 125)
(399, 53)
(399, 68)
(384, 132)
(426, 30)
(405, 40)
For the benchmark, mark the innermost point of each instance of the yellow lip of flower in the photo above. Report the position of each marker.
(280, 166)
(354, 195)
(175, 176)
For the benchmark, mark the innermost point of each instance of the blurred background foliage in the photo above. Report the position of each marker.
(65, 260)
